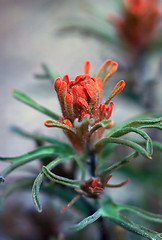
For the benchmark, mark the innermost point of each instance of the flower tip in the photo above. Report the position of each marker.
(87, 67)
(122, 83)
(106, 70)
(57, 84)
(109, 125)
(111, 104)
(66, 79)
(67, 123)
(47, 123)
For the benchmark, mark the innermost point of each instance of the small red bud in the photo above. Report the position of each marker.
(87, 67)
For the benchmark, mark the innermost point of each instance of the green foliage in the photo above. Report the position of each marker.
(48, 73)
(103, 124)
(113, 212)
(58, 179)
(125, 142)
(41, 152)
(117, 165)
(39, 179)
(27, 100)
(87, 221)
(51, 123)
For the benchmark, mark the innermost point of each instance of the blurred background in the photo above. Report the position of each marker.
(29, 36)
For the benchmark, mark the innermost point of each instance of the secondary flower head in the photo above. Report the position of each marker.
(139, 22)
(81, 104)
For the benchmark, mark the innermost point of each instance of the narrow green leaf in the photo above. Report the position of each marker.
(87, 221)
(64, 147)
(51, 123)
(98, 31)
(28, 157)
(39, 179)
(35, 191)
(145, 214)
(156, 144)
(103, 124)
(27, 100)
(50, 73)
(135, 228)
(119, 164)
(142, 121)
(111, 210)
(59, 179)
(41, 76)
(148, 123)
(125, 142)
(127, 130)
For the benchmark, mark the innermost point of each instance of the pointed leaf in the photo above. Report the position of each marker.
(50, 123)
(112, 211)
(118, 88)
(106, 70)
(151, 123)
(98, 31)
(142, 121)
(50, 73)
(27, 100)
(103, 124)
(125, 142)
(126, 130)
(145, 214)
(157, 145)
(39, 179)
(28, 157)
(119, 164)
(35, 191)
(37, 137)
(59, 179)
(87, 221)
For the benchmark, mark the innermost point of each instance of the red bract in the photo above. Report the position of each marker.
(81, 104)
(94, 187)
(139, 21)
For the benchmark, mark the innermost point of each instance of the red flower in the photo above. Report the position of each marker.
(94, 187)
(81, 104)
(139, 21)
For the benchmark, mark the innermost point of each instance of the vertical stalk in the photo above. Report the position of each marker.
(91, 160)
